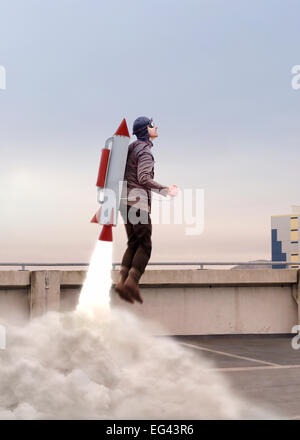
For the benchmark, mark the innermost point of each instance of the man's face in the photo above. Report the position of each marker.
(153, 132)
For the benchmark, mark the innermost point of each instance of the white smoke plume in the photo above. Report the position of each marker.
(98, 363)
(106, 365)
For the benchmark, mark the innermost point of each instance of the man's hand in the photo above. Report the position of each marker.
(172, 191)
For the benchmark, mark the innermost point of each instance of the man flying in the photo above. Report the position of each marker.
(136, 209)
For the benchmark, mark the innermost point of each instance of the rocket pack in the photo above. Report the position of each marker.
(110, 180)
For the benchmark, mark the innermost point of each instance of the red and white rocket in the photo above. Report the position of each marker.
(111, 179)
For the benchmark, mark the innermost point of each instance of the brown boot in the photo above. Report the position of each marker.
(119, 287)
(131, 284)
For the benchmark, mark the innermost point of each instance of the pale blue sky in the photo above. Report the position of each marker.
(214, 75)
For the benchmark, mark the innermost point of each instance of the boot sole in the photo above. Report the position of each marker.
(124, 295)
(133, 293)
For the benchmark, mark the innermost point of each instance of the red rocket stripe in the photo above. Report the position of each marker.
(103, 167)
(123, 129)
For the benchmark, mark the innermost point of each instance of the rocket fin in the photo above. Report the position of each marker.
(96, 217)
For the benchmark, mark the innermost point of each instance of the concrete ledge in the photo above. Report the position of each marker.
(182, 302)
(72, 277)
(215, 277)
(216, 310)
(13, 278)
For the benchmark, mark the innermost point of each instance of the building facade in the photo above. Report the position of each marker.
(285, 238)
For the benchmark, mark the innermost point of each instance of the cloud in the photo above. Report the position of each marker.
(108, 366)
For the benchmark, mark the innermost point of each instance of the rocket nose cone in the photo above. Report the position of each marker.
(123, 129)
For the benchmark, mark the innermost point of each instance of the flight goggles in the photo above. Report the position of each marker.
(151, 124)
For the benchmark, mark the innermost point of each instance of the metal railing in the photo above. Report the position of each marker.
(163, 263)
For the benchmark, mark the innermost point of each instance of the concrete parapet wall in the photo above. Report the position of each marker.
(183, 302)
